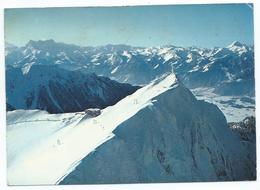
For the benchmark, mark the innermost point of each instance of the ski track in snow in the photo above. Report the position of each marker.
(45, 154)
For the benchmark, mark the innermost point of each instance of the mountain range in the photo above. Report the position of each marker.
(229, 70)
(149, 127)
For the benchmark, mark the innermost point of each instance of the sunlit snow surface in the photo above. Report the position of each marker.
(235, 108)
(41, 147)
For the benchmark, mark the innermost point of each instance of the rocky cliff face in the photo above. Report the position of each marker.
(245, 129)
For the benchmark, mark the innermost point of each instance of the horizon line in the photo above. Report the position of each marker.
(123, 44)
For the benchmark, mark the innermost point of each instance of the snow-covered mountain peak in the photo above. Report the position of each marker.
(88, 133)
(236, 43)
(238, 47)
(50, 46)
(140, 65)
(167, 80)
(161, 122)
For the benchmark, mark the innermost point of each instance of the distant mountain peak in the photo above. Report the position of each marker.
(236, 43)
(40, 42)
(139, 66)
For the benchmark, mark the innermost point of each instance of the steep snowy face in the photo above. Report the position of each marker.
(160, 133)
(47, 147)
(175, 138)
(229, 70)
(57, 90)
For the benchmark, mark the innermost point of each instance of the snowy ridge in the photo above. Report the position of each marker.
(161, 131)
(55, 156)
(176, 138)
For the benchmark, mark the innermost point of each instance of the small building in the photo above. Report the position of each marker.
(93, 112)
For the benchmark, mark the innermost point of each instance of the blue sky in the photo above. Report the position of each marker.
(182, 25)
